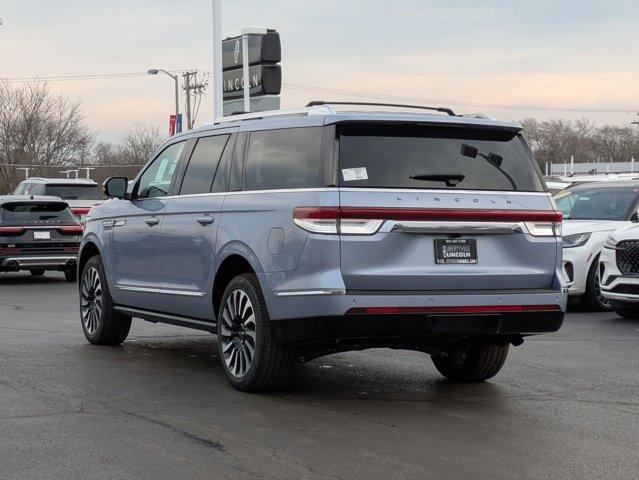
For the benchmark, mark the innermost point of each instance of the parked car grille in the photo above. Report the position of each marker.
(628, 257)
(626, 289)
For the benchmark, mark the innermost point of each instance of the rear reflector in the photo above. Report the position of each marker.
(467, 310)
(367, 220)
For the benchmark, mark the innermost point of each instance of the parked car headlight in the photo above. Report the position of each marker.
(576, 240)
(611, 243)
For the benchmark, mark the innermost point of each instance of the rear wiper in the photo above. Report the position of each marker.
(451, 179)
(70, 197)
(492, 158)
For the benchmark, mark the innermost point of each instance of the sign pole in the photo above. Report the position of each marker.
(217, 59)
(245, 74)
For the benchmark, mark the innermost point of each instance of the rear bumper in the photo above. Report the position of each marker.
(413, 329)
(324, 315)
(29, 262)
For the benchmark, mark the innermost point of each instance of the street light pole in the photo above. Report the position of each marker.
(155, 71)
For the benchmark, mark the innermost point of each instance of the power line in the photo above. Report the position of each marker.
(357, 93)
(335, 91)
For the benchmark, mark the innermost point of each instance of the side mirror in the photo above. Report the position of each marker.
(116, 187)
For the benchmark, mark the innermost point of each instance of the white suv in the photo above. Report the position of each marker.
(79, 193)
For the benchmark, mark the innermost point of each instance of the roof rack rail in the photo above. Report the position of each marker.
(241, 116)
(373, 104)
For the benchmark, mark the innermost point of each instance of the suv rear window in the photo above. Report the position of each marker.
(416, 156)
(35, 212)
(74, 192)
(286, 158)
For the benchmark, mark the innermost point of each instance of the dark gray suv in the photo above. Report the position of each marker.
(296, 234)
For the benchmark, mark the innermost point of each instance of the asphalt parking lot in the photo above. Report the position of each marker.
(566, 405)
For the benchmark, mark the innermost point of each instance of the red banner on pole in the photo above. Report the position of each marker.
(171, 125)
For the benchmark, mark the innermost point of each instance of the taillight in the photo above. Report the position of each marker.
(368, 220)
(70, 230)
(544, 229)
(333, 220)
(11, 231)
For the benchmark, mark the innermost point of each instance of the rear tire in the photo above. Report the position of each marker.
(71, 275)
(253, 360)
(37, 273)
(479, 363)
(101, 323)
(593, 300)
(627, 312)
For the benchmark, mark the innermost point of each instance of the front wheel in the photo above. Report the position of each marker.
(253, 360)
(477, 363)
(593, 299)
(101, 323)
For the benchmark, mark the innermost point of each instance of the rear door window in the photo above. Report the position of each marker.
(35, 212)
(203, 164)
(433, 157)
(286, 158)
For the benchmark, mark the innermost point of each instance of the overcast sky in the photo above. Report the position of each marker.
(563, 53)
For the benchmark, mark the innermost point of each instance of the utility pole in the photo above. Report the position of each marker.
(192, 89)
(187, 91)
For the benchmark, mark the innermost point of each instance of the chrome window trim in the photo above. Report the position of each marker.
(441, 191)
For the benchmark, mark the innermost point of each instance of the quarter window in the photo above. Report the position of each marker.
(288, 158)
(156, 180)
(203, 164)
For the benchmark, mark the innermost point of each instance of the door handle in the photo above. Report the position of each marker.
(151, 221)
(206, 220)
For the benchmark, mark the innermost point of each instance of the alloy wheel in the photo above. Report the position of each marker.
(238, 333)
(91, 300)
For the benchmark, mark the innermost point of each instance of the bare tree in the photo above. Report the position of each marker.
(38, 128)
(139, 143)
(555, 141)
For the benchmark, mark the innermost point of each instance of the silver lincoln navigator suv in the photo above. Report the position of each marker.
(296, 234)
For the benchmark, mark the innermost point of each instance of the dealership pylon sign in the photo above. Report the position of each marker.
(252, 59)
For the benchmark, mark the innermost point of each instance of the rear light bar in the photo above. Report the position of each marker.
(11, 231)
(70, 230)
(368, 220)
(477, 309)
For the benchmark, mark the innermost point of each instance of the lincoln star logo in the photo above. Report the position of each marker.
(236, 52)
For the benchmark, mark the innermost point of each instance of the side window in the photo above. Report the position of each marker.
(37, 189)
(220, 184)
(156, 180)
(204, 161)
(288, 158)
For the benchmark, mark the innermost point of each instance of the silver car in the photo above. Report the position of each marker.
(296, 234)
